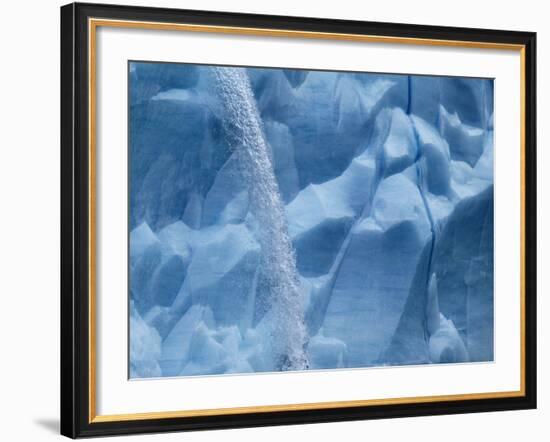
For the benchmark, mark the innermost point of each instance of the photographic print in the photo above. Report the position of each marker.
(272, 220)
(285, 219)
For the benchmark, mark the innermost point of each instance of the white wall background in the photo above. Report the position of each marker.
(29, 220)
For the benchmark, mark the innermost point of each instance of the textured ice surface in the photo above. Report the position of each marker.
(288, 220)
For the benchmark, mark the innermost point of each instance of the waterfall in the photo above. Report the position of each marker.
(278, 275)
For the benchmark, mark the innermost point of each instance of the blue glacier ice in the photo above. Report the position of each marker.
(299, 220)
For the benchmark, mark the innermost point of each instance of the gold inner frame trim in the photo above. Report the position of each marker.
(93, 24)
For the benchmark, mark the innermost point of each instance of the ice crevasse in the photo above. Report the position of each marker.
(289, 220)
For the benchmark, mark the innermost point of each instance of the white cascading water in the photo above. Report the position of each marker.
(278, 266)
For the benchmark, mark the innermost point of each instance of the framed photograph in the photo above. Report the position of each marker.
(275, 220)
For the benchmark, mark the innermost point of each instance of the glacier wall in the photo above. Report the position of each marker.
(290, 220)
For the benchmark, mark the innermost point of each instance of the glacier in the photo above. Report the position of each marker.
(284, 220)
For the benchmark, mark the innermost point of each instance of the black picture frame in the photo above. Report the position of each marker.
(75, 221)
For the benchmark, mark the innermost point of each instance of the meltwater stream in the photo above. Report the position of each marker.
(278, 278)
